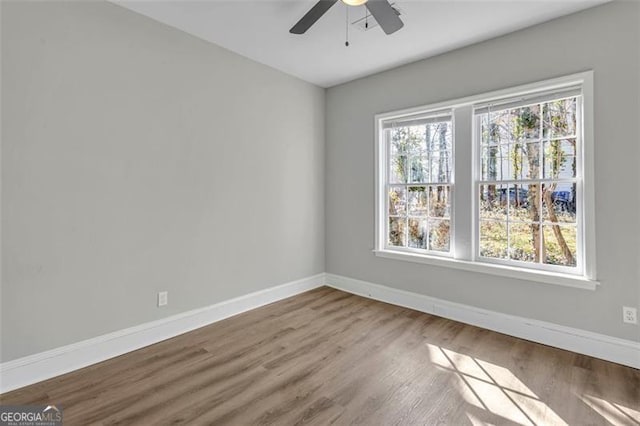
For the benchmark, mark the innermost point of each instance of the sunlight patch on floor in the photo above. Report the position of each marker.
(494, 389)
(634, 414)
(616, 414)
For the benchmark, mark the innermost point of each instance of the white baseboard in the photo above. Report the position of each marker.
(612, 349)
(45, 365)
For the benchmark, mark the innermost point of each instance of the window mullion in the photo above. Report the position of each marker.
(462, 216)
(541, 167)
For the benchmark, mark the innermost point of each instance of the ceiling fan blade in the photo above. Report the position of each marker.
(384, 15)
(312, 16)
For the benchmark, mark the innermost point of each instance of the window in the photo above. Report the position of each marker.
(418, 184)
(527, 184)
(522, 203)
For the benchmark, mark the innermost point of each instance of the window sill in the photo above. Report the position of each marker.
(491, 269)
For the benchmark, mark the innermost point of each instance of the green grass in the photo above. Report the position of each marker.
(493, 242)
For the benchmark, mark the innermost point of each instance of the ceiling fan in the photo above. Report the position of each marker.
(381, 10)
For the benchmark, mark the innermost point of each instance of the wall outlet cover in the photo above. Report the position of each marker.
(629, 315)
(163, 298)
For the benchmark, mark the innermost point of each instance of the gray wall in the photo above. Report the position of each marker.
(136, 158)
(605, 39)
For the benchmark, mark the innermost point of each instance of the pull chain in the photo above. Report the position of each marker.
(346, 43)
(366, 18)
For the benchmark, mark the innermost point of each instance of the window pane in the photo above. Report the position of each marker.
(515, 161)
(559, 202)
(511, 125)
(499, 127)
(493, 239)
(418, 233)
(560, 245)
(560, 118)
(397, 201)
(486, 130)
(493, 202)
(524, 242)
(526, 122)
(440, 166)
(438, 136)
(397, 234)
(408, 140)
(524, 203)
(398, 169)
(419, 169)
(503, 164)
(492, 162)
(560, 159)
(490, 168)
(439, 201)
(439, 235)
(519, 165)
(415, 141)
(396, 146)
(417, 201)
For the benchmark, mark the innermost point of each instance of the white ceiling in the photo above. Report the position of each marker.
(259, 30)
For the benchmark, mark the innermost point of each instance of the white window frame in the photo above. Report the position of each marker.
(451, 184)
(465, 173)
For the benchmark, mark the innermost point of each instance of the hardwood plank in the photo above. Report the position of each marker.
(328, 357)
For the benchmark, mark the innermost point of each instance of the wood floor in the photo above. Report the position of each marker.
(328, 357)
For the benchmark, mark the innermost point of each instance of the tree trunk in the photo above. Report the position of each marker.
(566, 252)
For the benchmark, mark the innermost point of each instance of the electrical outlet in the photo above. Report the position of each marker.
(629, 315)
(163, 298)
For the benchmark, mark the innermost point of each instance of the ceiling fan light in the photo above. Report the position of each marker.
(354, 2)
